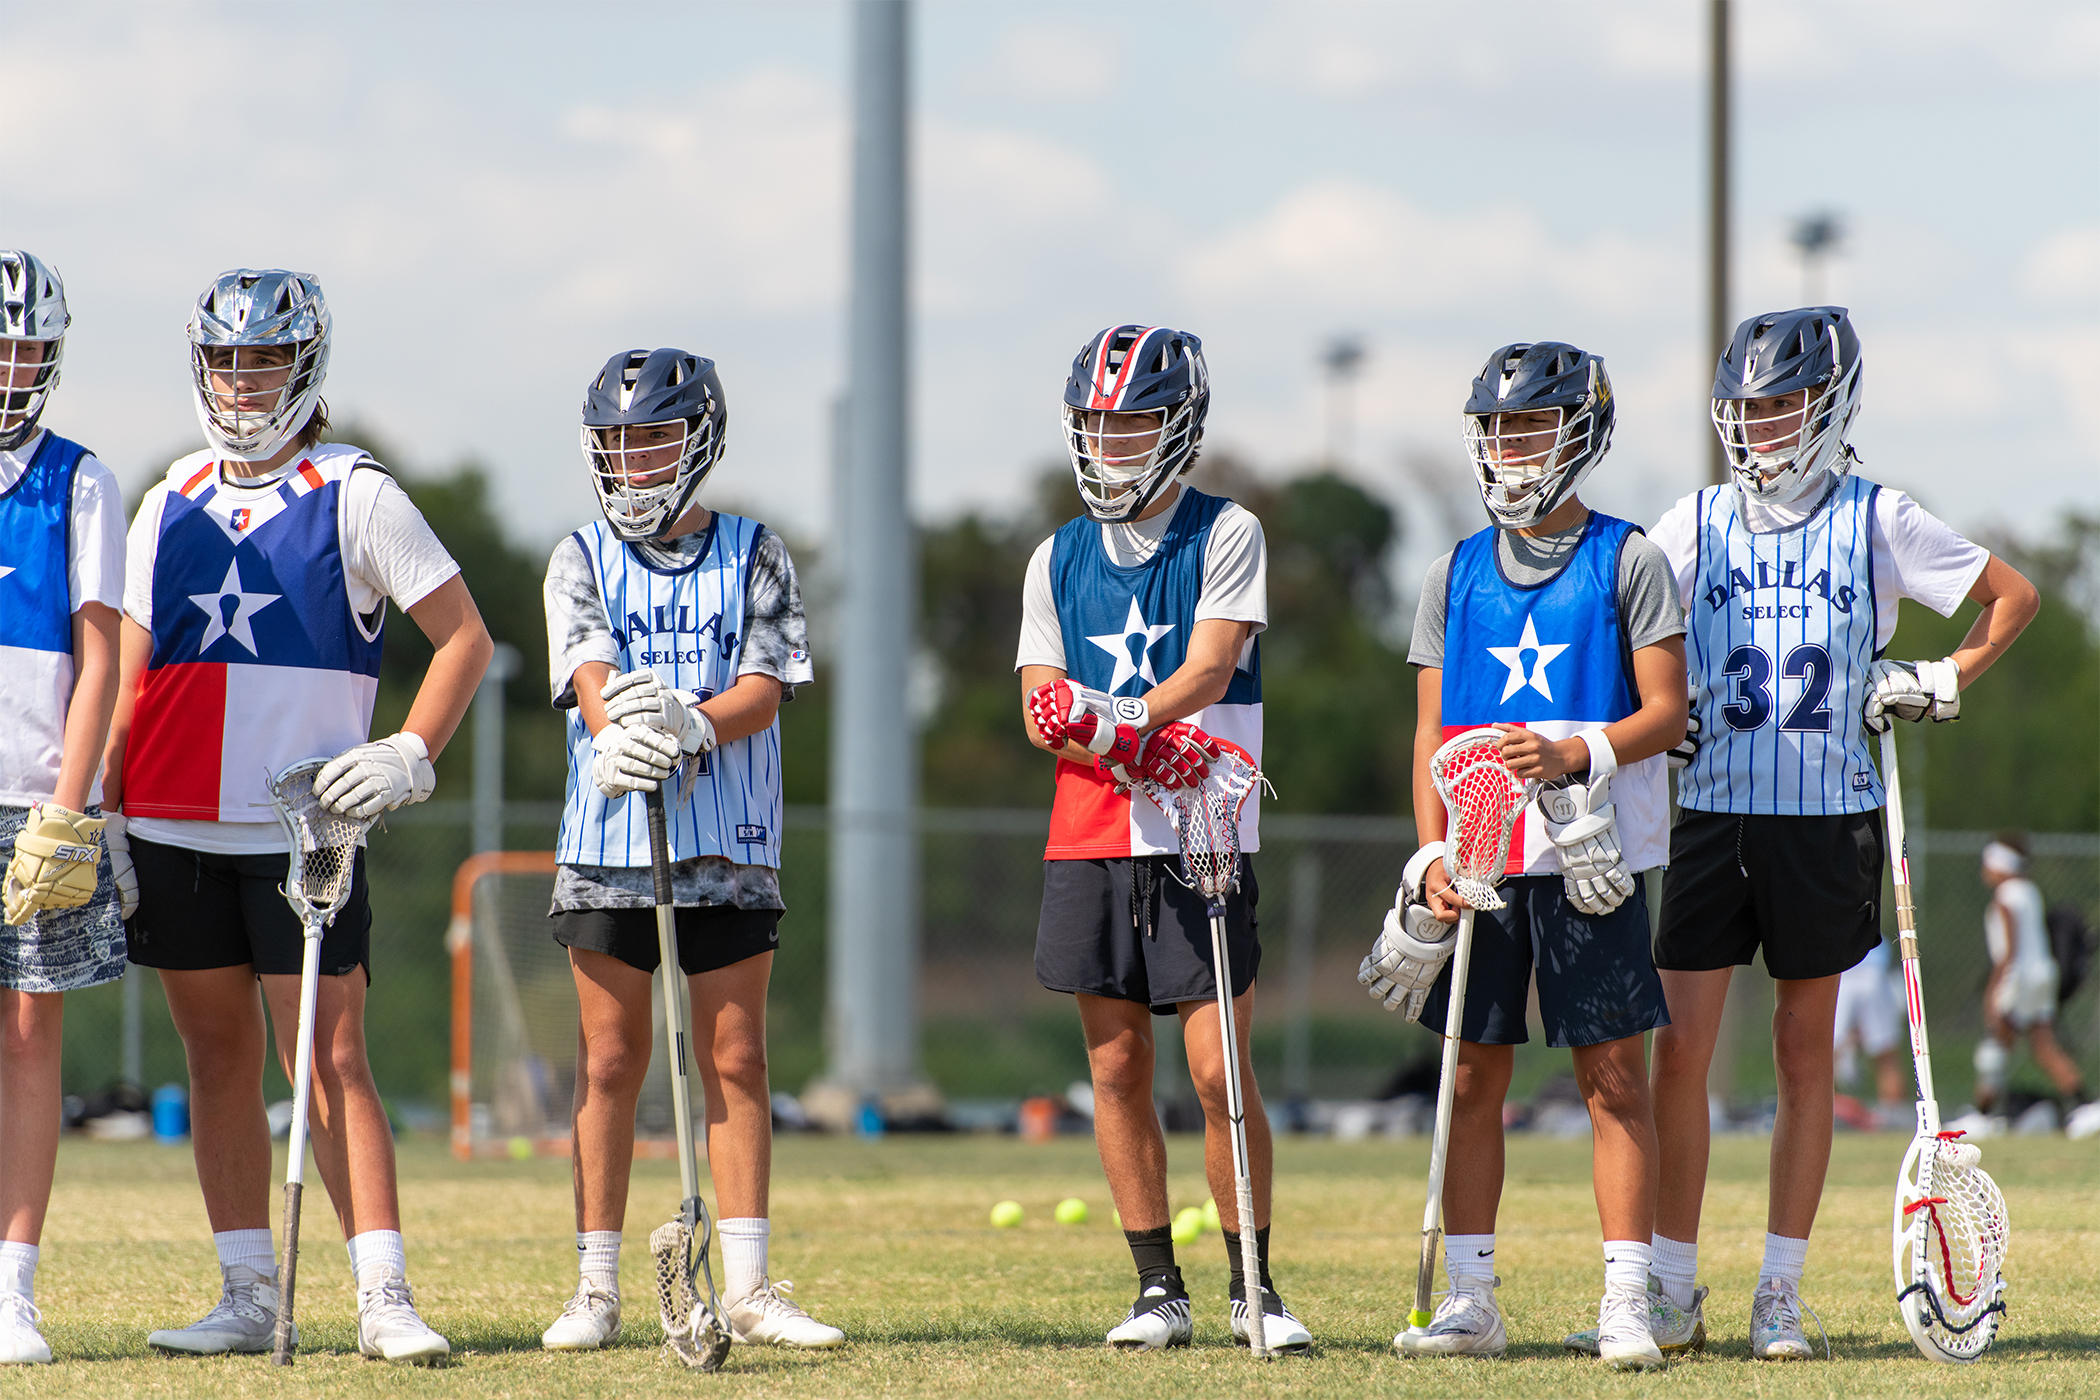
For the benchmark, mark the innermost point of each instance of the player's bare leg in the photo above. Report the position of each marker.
(1120, 1052)
(218, 1012)
(31, 1030)
(613, 1044)
(1469, 1320)
(2060, 1067)
(1684, 1050)
(729, 1021)
(353, 1144)
(1624, 1152)
(1806, 1010)
(1204, 1046)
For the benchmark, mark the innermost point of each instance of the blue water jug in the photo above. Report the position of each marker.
(171, 1113)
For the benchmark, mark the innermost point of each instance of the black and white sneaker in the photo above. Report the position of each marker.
(1280, 1329)
(1159, 1318)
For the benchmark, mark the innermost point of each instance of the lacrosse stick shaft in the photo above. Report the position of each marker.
(1440, 1144)
(295, 1165)
(1907, 935)
(1236, 1116)
(674, 1004)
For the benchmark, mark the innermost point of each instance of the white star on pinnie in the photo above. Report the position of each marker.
(6, 569)
(1513, 657)
(1117, 644)
(245, 607)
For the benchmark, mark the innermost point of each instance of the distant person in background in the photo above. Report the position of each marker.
(2020, 999)
(69, 883)
(1868, 1020)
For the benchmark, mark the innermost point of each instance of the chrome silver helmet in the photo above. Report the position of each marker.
(1812, 352)
(250, 322)
(648, 412)
(33, 321)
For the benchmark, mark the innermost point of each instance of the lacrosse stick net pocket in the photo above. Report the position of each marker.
(1483, 800)
(324, 843)
(1958, 1239)
(1206, 820)
(694, 1330)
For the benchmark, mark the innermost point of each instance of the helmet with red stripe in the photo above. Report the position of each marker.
(1133, 416)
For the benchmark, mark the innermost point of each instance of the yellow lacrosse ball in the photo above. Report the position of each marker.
(1188, 1225)
(521, 1148)
(1071, 1211)
(1006, 1214)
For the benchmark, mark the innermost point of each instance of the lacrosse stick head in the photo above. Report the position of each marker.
(1206, 820)
(1950, 1241)
(695, 1330)
(1482, 800)
(324, 844)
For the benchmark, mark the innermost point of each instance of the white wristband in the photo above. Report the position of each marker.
(1604, 760)
(1418, 869)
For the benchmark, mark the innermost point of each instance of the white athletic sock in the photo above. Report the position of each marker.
(1676, 1266)
(743, 1255)
(598, 1258)
(1470, 1259)
(251, 1249)
(1627, 1264)
(1784, 1258)
(18, 1268)
(376, 1256)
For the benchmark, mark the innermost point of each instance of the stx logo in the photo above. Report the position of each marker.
(1739, 581)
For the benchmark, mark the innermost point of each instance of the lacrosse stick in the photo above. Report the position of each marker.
(1949, 1233)
(323, 863)
(1206, 821)
(1482, 801)
(694, 1329)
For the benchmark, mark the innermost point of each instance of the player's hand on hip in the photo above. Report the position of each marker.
(638, 698)
(631, 760)
(54, 864)
(1407, 957)
(1177, 755)
(1912, 690)
(364, 781)
(120, 868)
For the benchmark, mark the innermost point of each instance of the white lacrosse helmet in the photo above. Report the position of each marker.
(243, 311)
(1814, 352)
(1522, 488)
(32, 314)
(1134, 369)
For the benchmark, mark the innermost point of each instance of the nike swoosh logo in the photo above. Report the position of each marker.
(1489, 1254)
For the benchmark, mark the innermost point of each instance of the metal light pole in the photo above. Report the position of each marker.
(1718, 325)
(488, 748)
(873, 962)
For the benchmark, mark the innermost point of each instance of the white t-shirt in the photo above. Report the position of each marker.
(389, 551)
(1916, 555)
(37, 687)
(1235, 578)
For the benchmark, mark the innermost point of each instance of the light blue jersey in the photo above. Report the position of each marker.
(682, 623)
(1781, 631)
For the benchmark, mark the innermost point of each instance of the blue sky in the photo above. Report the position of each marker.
(498, 196)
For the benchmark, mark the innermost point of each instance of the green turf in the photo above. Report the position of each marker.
(889, 1240)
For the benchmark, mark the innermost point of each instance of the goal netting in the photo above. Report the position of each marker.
(514, 1020)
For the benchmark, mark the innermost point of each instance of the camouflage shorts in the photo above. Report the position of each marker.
(62, 950)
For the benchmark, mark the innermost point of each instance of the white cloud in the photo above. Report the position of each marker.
(2066, 267)
(1042, 62)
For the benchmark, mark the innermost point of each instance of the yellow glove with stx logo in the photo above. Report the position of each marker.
(54, 863)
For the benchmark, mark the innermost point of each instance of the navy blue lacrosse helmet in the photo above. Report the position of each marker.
(1134, 369)
(643, 404)
(1812, 352)
(1524, 475)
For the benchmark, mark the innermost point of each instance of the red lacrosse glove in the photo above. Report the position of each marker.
(1177, 754)
(1064, 711)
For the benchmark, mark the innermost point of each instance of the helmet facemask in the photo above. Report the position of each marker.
(1121, 467)
(28, 374)
(1780, 473)
(1525, 473)
(672, 457)
(258, 355)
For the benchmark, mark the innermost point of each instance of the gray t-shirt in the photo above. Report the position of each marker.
(1647, 593)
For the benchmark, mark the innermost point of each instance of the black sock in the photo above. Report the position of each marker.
(1261, 1252)
(1153, 1253)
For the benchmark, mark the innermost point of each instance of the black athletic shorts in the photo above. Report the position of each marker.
(1806, 889)
(1596, 982)
(710, 936)
(198, 910)
(1129, 928)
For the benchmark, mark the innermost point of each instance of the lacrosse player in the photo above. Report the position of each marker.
(255, 595)
(1137, 644)
(1868, 1017)
(1790, 576)
(674, 632)
(2020, 999)
(1558, 626)
(66, 892)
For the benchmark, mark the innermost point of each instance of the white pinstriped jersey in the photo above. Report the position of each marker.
(682, 624)
(1780, 631)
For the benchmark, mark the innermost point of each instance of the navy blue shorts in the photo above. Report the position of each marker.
(1597, 980)
(1130, 929)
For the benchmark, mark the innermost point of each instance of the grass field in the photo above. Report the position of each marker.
(889, 1240)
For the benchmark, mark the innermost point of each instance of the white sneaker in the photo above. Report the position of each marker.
(1467, 1323)
(1674, 1329)
(1623, 1337)
(1280, 1330)
(20, 1342)
(1775, 1323)
(1159, 1318)
(589, 1320)
(769, 1319)
(244, 1320)
(388, 1327)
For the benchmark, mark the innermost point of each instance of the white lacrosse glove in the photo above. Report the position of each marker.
(127, 879)
(1912, 690)
(1584, 827)
(639, 698)
(54, 863)
(377, 777)
(632, 760)
(1411, 950)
